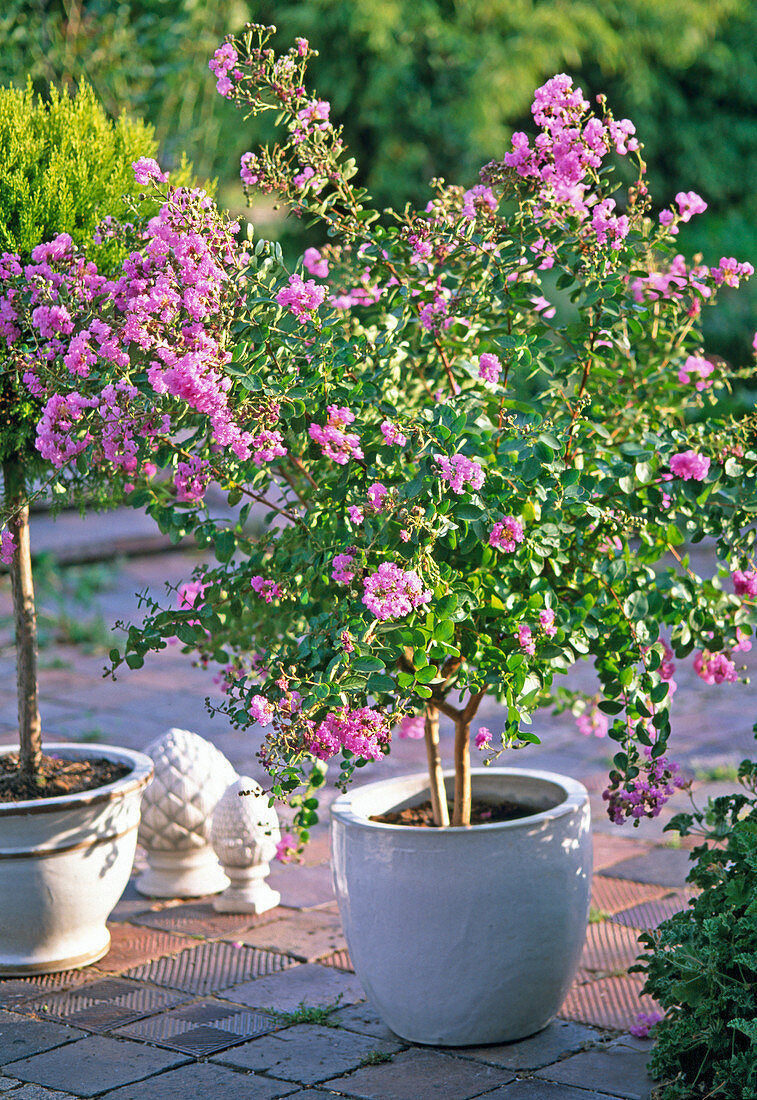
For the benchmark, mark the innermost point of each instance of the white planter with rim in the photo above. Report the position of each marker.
(464, 936)
(64, 863)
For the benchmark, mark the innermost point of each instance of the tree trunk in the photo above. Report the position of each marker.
(436, 775)
(25, 619)
(462, 807)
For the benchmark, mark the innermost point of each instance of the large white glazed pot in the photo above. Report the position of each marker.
(64, 863)
(464, 936)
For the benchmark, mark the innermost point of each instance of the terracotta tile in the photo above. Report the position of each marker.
(609, 947)
(651, 913)
(607, 1002)
(612, 894)
(210, 967)
(196, 919)
(132, 946)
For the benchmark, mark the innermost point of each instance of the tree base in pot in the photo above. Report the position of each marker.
(465, 936)
(64, 863)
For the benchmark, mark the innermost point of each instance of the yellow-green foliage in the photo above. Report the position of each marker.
(65, 166)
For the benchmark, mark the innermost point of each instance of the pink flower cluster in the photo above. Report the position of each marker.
(731, 272)
(644, 1022)
(286, 848)
(526, 640)
(458, 471)
(592, 721)
(392, 592)
(689, 204)
(266, 590)
(745, 583)
(647, 793)
(336, 444)
(191, 480)
(7, 546)
(688, 465)
(302, 298)
(364, 732)
(483, 738)
(376, 494)
(547, 622)
(715, 668)
(343, 567)
(489, 367)
(314, 263)
(261, 710)
(506, 534)
(568, 151)
(392, 434)
(699, 367)
(147, 170)
(223, 62)
(413, 726)
(673, 282)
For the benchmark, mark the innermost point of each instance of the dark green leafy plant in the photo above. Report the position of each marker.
(701, 964)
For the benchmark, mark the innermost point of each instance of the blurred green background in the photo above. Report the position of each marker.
(436, 87)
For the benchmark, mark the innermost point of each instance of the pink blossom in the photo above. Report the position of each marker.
(479, 198)
(690, 203)
(376, 494)
(547, 622)
(261, 710)
(392, 592)
(525, 640)
(489, 367)
(286, 848)
(223, 61)
(267, 590)
(364, 732)
(266, 446)
(302, 298)
(730, 271)
(645, 1021)
(314, 263)
(506, 534)
(7, 546)
(191, 480)
(688, 465)
(607, 224)
(458, 470)
(715, 668)
(696, 365)
(592, 721)
(745, 582)
(543, 306)
(345, 640)
(356, 514)
(413, 726)
(147, 169)
(249, 169)
(667, 217)
(743, 642)
(392, 434)
(336, 444)
(343, 570)
(483, 738)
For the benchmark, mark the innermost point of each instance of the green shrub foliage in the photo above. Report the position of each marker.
(701, 964)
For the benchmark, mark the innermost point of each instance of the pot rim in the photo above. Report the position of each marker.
(575, 796)
(139, 776)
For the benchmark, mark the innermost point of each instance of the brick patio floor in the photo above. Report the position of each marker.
(189, 1001)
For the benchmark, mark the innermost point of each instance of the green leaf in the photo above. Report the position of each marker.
(368, 664)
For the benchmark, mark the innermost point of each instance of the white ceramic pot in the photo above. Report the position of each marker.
(64, 863)
(465, 936)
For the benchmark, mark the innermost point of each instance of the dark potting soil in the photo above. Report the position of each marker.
(482, 813)
(55, 777)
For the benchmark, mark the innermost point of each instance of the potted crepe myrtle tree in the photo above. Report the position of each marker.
(473, 487)
(79, 249)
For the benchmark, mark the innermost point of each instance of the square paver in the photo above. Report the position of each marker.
(651, 913)
(306, 1053)
(307, 984)
(363, 1019)
(422, 1075)
(210, 967)
(622, 1072)
(535, 1089)
(34, 1092)
(305, 936)
(558, 1039)
(103, 1005)
(195, 919)
(94, 1064)
(303, 887)
(204, 1079)
(21, 1037)
(201, 1028)
(660, 866)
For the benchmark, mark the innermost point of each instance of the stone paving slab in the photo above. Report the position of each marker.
(306, 984)
(622, 1073)
(422, 1075)
(307, 1053)
(204, 1079)
(92, 1065)
(661, 866)
(558, 1039)
(32, 1092)
(651, 913)
(21, 1037)
(545, 1090)
(307, 936)
(363, 1019)
(303, 887)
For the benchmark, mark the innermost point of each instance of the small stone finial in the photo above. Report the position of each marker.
(244, 834)
(190, 776)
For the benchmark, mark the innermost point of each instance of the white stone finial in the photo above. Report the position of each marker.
(190, 776)
(244, 834)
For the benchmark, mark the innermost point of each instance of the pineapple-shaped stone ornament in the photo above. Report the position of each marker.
(244, 834)
(190, 777)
